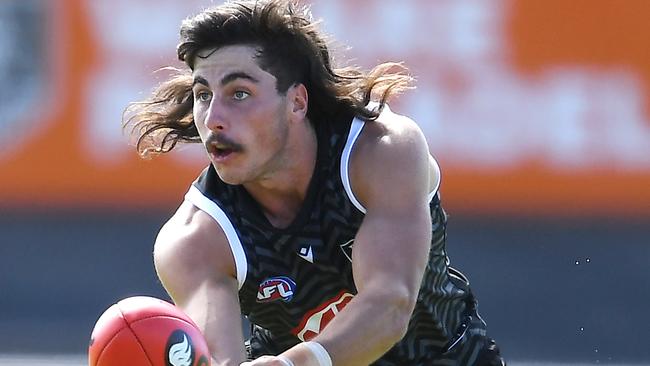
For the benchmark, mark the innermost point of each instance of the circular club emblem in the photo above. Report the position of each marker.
(179, 350)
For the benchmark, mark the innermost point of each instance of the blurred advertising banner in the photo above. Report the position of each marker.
(531, 107)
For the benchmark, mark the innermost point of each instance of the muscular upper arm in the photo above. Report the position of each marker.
(196, 267)
(391, 176)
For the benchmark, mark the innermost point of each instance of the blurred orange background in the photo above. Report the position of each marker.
(532, 108)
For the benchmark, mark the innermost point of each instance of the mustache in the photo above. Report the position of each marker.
(221, 142)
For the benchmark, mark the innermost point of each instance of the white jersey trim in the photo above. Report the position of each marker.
(208, 206)
(438, 178)
(355, 131)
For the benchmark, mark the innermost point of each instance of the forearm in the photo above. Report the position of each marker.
(366, 329)
(217, 316)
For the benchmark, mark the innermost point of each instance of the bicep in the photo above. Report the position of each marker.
(393, 179)
(390, 252)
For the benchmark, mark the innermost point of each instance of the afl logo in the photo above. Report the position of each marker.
(276, 288)
(179, 350)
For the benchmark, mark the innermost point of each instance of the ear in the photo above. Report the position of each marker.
(298, 101)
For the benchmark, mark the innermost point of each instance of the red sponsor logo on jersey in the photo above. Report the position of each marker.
(316, 320)
(276, 288)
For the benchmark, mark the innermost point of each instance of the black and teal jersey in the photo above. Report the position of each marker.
(294, 280)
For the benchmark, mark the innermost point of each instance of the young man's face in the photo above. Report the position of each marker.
(240, 116)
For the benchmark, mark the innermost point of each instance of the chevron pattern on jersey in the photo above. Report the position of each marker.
(327, 221)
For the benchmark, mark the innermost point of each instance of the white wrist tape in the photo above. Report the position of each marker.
(286, 361)
(320, 352)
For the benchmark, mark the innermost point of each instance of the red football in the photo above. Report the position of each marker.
(145, 331)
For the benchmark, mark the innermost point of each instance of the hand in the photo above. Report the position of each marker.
(269, 361)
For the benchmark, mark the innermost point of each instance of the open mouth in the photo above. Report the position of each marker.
(220, 147)
(220, 152)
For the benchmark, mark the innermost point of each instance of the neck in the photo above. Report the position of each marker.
(282, 193)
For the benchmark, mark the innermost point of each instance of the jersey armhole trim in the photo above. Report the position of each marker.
(208, 206)
(355, 131)
(438, 173)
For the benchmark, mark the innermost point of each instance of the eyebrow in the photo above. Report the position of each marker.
(200, 80)
(226, 79)
(237, 75)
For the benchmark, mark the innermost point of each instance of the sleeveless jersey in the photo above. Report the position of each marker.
(293, 281)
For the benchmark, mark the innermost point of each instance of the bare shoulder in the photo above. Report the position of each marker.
(392, 134)
(388, 150)
(190, 248)
(393, 126)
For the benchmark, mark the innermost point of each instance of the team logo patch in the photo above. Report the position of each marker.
(276, 288)
(346, 248)
(316, 320)
(179, 350)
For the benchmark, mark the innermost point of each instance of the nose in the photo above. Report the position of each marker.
(215, 120)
